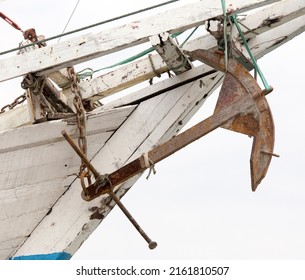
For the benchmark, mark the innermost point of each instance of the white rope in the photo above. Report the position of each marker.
(149, 164)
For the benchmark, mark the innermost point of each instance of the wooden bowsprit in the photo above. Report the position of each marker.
(241, 107)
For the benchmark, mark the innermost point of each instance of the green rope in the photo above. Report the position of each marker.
(88, 72)
(182, 44)
(225, 31)
(266, 85)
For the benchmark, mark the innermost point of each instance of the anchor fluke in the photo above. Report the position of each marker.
(255, 121)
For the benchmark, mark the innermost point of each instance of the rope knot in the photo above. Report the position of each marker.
(149, 164)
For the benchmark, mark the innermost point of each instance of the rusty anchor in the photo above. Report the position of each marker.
(256, 121)
(241, 107)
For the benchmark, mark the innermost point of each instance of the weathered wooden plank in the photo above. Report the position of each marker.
(16, 206)
(9, 243)
(83, 48)
(9, 246)
(54, 161)
(141, 70)
(8, 228)
(210, 83)
(268, 41)
(122, 78)
(55, 166)
(26, 137)
(14, 118)
(161, 87)
(37, 168)
(270, 17)
(35, 187)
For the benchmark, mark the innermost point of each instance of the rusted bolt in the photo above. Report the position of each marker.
(270, 154)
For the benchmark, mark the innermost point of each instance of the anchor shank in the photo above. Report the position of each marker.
(173, 145)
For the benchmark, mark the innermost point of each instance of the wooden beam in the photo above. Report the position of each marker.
(109, 83)
(171, 54)
(60, 78)
(271, 16)
(97, 88)
(19, 116)
(141, 70)
(268, 41)
(122, 78)
(86, 47)
(201, 72)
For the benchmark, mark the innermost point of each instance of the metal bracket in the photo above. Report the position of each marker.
(171, 54)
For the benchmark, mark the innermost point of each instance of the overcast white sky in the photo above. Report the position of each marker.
(199, 205)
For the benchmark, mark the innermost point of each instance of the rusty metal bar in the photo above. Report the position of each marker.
(80, 154)
(151, 244)
(270, 154)
(175, 144)
(97, 175)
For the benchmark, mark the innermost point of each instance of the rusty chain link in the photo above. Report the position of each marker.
(84, 172)
(19, 100)
(35, 84)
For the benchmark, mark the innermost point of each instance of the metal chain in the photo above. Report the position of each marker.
(84, 172)
(20, 99)
(35, 84)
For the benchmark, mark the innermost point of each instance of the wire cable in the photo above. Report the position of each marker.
(90, 26)
(69, 20)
